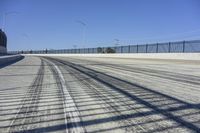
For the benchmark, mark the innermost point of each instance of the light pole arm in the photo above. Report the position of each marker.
(5, 17)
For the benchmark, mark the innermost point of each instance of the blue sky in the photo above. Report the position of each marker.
(52, 24)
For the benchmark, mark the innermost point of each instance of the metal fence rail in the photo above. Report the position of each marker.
(169, 47)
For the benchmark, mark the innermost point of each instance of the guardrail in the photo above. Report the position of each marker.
(168, 47)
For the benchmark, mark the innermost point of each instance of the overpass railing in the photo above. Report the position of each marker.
(168, 47)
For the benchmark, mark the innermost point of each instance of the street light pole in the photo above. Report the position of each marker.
(83, 32)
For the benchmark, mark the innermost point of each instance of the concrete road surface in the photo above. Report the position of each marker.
(79, 94)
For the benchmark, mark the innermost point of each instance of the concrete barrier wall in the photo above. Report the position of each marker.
(3, 50)
(175, 56)
(9, 59)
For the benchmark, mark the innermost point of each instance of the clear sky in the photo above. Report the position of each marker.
(55, 24)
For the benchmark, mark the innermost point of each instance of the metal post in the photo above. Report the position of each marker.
(129, 49)
(146, 48)
(137, 48)
(157, 48)
(169, 49)
(183, 46)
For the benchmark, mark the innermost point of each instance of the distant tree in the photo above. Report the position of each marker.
(110, 50)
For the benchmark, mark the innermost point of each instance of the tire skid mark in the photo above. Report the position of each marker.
(108, 100)
(185, 78)
(71, 112)
(112, 103)
(173, 76)
(29, 104)
(159, 74)
(128, 91)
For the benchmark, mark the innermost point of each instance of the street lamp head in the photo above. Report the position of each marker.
(81, 22)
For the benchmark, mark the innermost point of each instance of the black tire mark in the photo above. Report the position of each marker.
(58, 83)
(107, 100)
(185, 78)
(116, 84)
(29, 104)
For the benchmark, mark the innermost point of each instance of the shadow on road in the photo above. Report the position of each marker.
(158, 103)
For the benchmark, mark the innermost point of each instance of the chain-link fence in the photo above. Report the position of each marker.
(170, 47)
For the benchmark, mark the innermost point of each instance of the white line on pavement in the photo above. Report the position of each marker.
(70, 108)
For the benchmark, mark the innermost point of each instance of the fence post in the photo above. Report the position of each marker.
(183, 46)
(157, 48)
(169, 49)
(137, 48)
(129, 49)
(146, 48)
